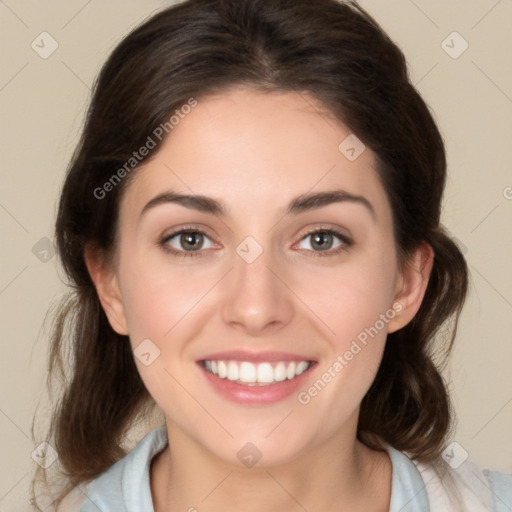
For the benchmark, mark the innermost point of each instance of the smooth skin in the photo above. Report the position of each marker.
(255, 152)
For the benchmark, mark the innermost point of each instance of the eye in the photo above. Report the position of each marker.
(190, 242)
(327, 241)
(186, 242)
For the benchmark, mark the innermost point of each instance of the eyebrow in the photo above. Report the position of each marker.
(298, 205)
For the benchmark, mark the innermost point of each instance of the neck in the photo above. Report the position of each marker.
(184, 477)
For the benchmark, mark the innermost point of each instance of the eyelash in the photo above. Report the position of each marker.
(346, 242)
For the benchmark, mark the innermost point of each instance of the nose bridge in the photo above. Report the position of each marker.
(256, 297)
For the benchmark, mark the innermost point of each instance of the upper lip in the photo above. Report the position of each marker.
(255, 357)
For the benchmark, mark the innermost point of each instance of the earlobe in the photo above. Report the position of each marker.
(107, 287)
(412, 286)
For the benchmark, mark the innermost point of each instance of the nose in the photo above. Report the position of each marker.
(257, 299)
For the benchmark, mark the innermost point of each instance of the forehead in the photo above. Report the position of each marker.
(250, 148)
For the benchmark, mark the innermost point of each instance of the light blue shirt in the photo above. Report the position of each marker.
(125, 487)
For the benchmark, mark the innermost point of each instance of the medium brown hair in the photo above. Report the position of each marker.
(339, 55)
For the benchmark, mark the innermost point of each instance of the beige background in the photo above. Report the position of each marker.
(42, 103)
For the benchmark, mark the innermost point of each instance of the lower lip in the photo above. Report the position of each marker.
(256, 394)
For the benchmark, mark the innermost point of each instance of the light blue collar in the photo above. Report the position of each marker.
(127, 483)
(408, 490)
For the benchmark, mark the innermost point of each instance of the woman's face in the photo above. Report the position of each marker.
(260, 288)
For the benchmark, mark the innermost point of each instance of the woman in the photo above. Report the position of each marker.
(251, 223)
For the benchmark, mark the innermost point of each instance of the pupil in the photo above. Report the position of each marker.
(191, 240)
(322, 239)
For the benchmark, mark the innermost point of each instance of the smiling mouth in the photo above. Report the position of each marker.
(256, 374)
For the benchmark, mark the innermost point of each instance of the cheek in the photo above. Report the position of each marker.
(157, 297)
(357, 311)
(355, 304)
(159, 306)
(148, 315)
(351, 297)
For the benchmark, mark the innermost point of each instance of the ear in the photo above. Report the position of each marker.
(411, 286)
(107, 287)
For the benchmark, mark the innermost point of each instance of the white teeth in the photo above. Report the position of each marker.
(290, 371)
(223, 369)
(301, 367)
(232, 371)
(280, 372)
(248, 373)
(265, 373)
